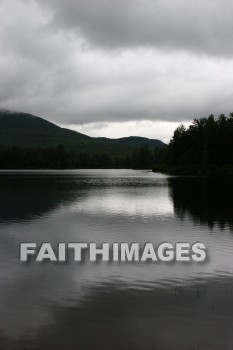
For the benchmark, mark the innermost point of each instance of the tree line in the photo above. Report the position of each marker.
(204, 148)
(15, 157)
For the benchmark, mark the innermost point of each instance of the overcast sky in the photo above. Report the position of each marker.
(117, 67)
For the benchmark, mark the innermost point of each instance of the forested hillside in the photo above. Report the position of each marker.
(135, 141)
(30, 142)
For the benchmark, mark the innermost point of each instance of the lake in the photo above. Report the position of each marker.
(115, 305)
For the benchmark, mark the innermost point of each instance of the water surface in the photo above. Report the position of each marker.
(115, 305)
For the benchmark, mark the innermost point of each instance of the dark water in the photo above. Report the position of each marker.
(115, 305)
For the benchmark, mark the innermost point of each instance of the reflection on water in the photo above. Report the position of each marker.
(115, 305)
(207, 201)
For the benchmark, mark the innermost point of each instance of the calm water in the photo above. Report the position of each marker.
(115, 305)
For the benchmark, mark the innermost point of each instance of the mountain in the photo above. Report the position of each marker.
(30, 142)
(27, 130)
(135, 141)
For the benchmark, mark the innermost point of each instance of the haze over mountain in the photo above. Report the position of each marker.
(27, 130)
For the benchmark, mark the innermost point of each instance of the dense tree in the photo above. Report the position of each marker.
(205, 147)
(62, 158)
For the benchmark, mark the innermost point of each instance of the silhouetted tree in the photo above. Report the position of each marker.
(205, 147)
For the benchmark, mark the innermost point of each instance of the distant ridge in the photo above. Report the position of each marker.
(135, 141)
(27, 130)
(31, 142)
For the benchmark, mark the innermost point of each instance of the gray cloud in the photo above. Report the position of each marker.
(193, 25)
(78, 62)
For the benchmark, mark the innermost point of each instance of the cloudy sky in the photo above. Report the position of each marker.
(117, 68)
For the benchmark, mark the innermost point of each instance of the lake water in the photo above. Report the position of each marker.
(115, 305)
